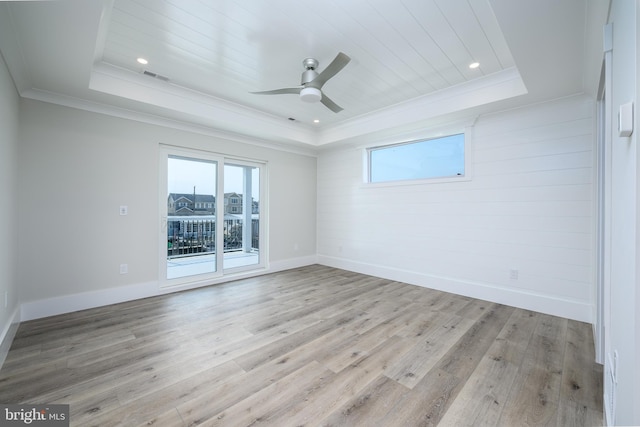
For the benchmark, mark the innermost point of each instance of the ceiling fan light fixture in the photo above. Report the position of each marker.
(310, 89)
(310, 94)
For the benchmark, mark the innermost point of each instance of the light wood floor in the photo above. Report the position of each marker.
(310, 346)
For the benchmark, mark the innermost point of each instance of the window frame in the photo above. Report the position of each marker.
(468, 150)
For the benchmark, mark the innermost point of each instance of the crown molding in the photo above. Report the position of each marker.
(202, 108)
(205, 114)
(110, 110)
(494, 87)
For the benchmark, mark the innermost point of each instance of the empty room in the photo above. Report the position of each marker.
(356, 213)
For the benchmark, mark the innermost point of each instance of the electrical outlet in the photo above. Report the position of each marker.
(513, 274)
(124, 268)
(124, 210)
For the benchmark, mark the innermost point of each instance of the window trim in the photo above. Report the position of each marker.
(467, 176)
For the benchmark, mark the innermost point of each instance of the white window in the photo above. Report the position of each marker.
(442, 157)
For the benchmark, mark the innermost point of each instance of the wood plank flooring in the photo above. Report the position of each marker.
(309, 346)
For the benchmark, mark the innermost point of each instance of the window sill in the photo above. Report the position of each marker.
(426, 181)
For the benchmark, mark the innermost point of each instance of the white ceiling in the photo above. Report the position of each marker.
(409, 67)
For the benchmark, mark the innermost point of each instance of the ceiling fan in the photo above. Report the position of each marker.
(310, 89)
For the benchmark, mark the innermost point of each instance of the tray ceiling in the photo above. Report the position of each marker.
(409, 68)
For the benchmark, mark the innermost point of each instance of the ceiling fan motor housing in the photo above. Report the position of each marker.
(308, 76)
(310, 63)
(309, 93)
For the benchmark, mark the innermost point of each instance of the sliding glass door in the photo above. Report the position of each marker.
(241, 215)
(211, 216)
(191, 224)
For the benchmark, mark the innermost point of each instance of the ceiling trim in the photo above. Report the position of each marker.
(221, 114)
(209, 110)
(494, 87)
(123, 113)
(103, 26)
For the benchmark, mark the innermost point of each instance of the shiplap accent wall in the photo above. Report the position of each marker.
(528, 207)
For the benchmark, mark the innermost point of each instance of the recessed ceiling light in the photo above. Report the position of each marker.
(316, 121)
(474, 65)
(142, 61)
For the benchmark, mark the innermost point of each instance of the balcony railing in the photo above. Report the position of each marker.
(195, 235)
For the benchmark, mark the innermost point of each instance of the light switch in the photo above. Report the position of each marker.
(625, 120)
(124, 210)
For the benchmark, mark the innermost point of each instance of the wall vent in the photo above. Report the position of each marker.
(155, 76)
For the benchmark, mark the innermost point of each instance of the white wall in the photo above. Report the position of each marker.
(623, 326)
(9, 210)
(76, 168)
(528, 207)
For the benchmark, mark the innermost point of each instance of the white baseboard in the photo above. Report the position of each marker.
(513, 297)
(243, 274)
(288, 264)
(569, 309)
(8, 333)
(85, 300)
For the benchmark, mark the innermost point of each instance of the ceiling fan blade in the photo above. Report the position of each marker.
(338, 63)
(292, 90)
(327, 102)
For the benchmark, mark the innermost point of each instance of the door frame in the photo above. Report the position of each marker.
(602, 273)
(221, 274)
